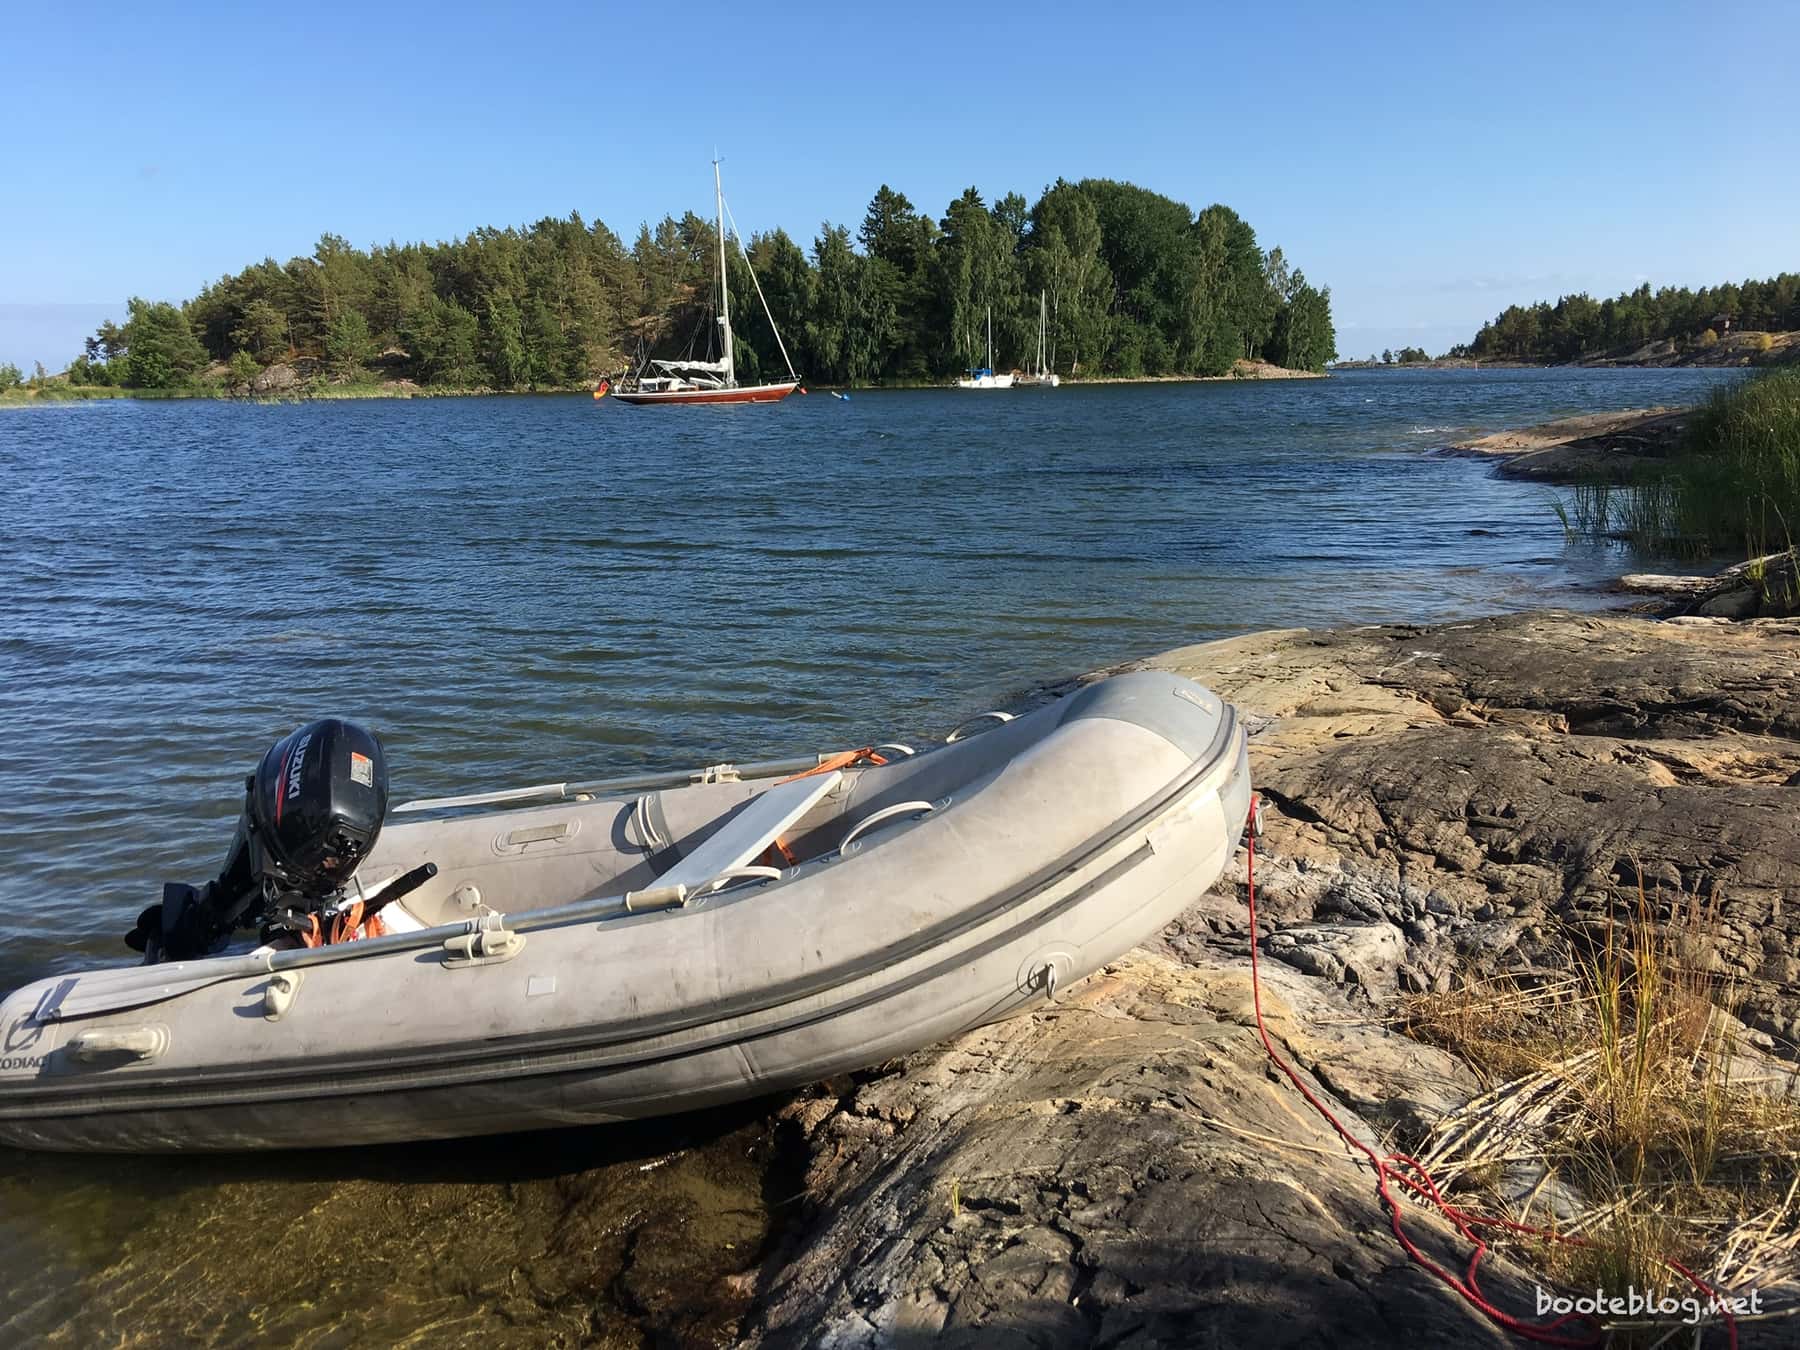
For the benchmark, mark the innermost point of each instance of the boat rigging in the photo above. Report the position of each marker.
(692, 381)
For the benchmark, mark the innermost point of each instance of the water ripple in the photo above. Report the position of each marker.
(512, 590)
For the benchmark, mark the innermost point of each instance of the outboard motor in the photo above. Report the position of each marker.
(312, 812)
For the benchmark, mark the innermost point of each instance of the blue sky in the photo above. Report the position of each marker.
(1431, 163)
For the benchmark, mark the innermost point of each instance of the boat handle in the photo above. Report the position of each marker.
(731, 874)
(656, 897)
(1000, 718)
(875, 818)
(893, 749)
(280, 992)
(125, 1045)
(482, 947)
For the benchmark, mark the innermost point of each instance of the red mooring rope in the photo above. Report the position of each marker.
(1410, 1174)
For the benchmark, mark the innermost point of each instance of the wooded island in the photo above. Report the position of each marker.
(1135, 284)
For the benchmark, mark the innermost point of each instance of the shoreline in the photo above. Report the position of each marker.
(1738, 349)
(1451, 808)
(26, 397)
(1610, 450)
(1449, 804)
(1241, 371)
(29, 396)
(1588, 447)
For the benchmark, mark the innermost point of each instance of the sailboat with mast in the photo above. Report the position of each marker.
(985, 377)
(690, 381)
(1042, 376)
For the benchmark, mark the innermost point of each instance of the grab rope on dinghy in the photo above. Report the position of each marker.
(1408, 1173)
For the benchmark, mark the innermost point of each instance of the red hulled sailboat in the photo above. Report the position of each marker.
(689, 381)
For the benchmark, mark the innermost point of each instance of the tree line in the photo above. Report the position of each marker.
(1134, 283)
(1578, 325)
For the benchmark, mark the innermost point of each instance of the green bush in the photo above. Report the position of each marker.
(10, 376)
(243, 368)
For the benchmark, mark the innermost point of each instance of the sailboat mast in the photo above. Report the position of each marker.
(724, 287)
(990, 337)
(1043, 316)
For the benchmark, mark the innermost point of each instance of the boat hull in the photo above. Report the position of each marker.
(1057, 842)
(752, 393)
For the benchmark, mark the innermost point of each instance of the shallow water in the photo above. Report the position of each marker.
(612, 1238)
(523, 590)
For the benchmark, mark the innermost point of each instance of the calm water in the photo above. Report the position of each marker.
(527, 589)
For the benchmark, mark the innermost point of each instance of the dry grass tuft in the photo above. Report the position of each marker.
(1627, 1090)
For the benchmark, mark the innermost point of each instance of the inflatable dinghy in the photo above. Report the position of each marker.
(580, 957)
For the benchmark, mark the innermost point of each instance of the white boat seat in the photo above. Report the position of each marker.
(743, 838)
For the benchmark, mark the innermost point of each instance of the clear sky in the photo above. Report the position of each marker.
(1431, 163)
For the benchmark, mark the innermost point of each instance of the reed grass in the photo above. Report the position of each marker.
(1732, 487)
(1740, 471)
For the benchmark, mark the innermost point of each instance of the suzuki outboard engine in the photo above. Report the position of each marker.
(312, 812)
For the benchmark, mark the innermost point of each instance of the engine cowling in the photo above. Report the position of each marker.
(312, 812)
(316, 802)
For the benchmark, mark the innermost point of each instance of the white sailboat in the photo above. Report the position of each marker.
(985, 377)
(1043, 377)
(709, 381)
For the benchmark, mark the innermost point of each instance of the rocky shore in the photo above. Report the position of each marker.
(1593, 447)
(1605, 450)
(1735, 348)
(1126, 1169)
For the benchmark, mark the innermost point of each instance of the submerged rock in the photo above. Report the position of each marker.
(614, 1238)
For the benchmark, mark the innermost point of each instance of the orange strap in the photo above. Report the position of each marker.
(343, 928)
(347, 927)
(842, 760)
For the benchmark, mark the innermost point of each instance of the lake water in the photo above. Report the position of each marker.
(519, 590)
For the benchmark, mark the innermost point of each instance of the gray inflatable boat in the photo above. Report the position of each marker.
(592, 958)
